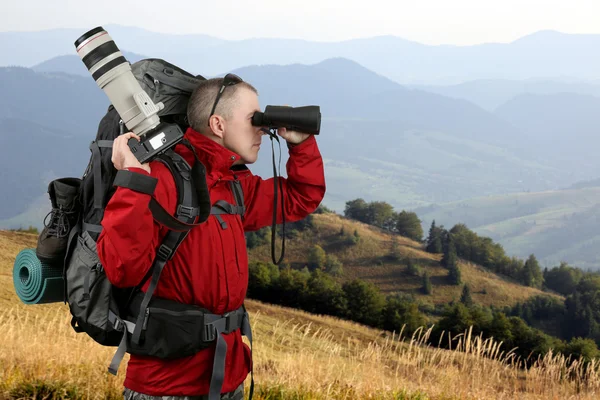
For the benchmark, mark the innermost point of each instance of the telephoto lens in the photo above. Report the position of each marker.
(112, 73)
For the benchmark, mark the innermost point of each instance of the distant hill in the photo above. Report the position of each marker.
(556, 226)
(544, 54)
(490, 94)
(564, 127)
(72, 64)
(368, 261)
(379, 139)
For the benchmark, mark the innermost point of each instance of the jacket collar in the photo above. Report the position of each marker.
(216, 159)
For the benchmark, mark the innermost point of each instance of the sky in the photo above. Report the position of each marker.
(455, 22)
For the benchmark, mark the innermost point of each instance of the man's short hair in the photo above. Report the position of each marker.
(203, 99)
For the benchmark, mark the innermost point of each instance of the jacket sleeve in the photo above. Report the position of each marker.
(303, 189)
(129, 238)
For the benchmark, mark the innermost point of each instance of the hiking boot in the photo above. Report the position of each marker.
(52, 242)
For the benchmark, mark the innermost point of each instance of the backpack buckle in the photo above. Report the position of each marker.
(224, 324)
(188, 212)
(164, 252)
(209, 333)
(118, 325)
(228, 319)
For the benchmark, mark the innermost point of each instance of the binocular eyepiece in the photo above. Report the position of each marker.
(306, 119)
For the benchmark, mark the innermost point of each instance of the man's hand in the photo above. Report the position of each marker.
(292, 137)
(122, 157)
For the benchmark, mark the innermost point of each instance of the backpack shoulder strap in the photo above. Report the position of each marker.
(238, 195)
(187, 199)
(188, 209)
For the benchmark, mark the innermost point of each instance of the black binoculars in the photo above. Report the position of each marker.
(306, 119)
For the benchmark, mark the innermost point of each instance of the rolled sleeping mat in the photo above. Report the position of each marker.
(36, 282)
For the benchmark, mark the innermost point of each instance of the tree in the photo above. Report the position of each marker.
(454, 275)
(324, 295)
(401, 312)
(434, 240)
(395, 254)
(532, 274)
(356, 209)
(412, 269)
(259, 280)
(562, 279)
(465, 297)
(322, 209)
(449, 259)
(355, 237)
(333, 266)
(317, 257)
(409, 225)
(426, 288)
(365, 303)
(380, 214)
(584, 348)
(258, 238)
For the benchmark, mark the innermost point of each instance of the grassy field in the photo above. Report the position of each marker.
(367, 260)
(297, 356)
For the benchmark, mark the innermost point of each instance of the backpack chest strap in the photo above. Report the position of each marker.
(223, 207)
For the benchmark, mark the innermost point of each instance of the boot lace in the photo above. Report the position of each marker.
(59, 224)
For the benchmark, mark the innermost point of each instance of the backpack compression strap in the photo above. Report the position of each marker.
(223, 207)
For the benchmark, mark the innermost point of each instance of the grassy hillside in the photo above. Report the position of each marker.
(560, 225)
(368, 260)
(297, 356)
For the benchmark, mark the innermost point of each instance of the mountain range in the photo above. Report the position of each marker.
(544, 54)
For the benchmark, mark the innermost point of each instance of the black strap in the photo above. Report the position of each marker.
(238, 193)
(105, 143)
(165, 218)
(200, 185)
(72, 237)
(223, 207)
(134, 181)
(97, 168)
(276, 179)
(164, 253)
(201, 197)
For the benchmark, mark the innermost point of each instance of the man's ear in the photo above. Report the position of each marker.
(217, 125)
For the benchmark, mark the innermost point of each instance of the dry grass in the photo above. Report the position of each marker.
(297, 356)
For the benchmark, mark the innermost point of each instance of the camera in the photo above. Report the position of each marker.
(113, 74)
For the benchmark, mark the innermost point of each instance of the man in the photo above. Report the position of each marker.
(210, 268)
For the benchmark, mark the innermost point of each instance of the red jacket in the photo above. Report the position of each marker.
(210, 268)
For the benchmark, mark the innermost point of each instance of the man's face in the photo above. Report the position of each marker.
(240, 136)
